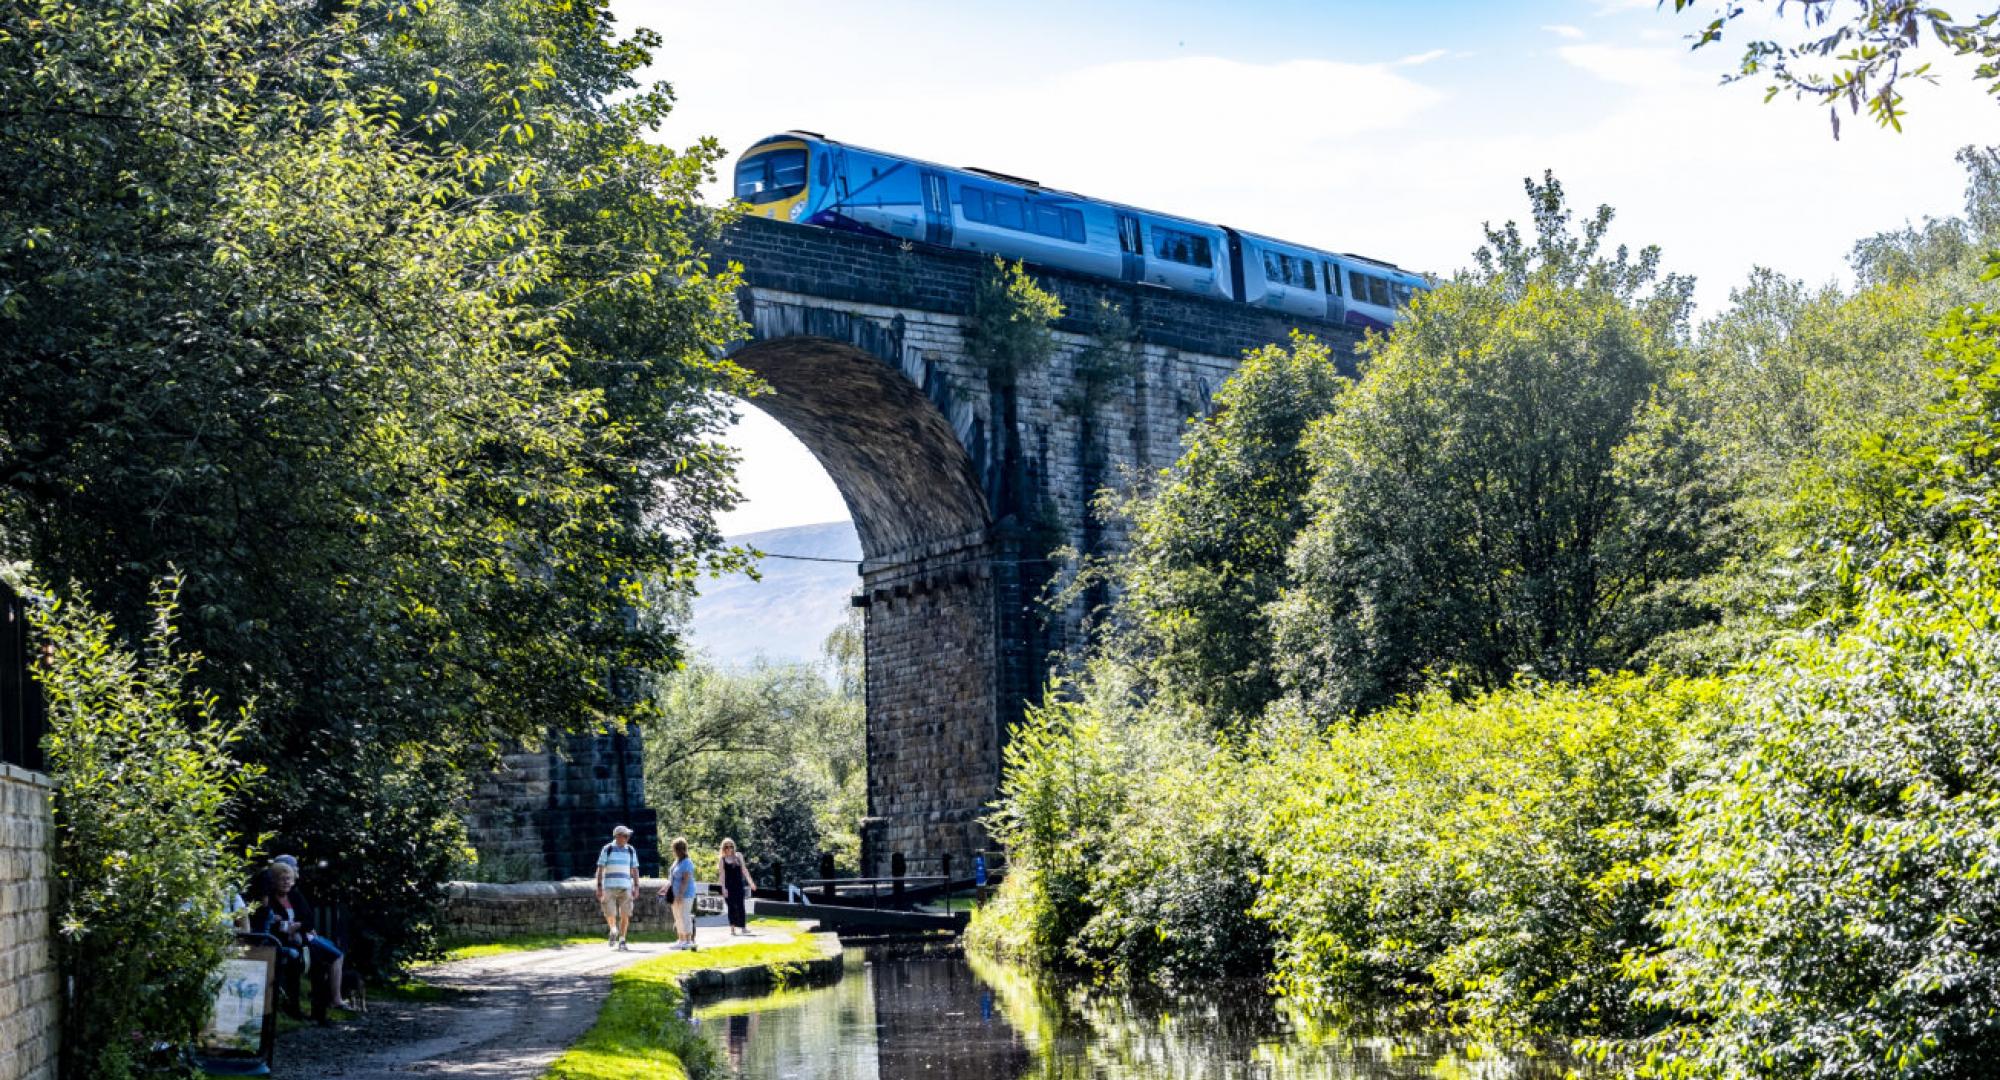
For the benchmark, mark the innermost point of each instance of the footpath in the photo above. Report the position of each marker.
(503, 1017)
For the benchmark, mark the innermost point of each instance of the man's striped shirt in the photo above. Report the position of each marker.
(621, 866)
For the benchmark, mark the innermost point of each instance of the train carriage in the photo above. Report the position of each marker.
(806, 178)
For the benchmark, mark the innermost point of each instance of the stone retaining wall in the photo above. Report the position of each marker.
(479, 911)
(830, 966)
(28, 986)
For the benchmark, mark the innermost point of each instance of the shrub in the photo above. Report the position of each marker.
(1481, 860)
(144, 864)
(1123, 829)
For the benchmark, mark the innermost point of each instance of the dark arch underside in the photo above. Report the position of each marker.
(907, 480)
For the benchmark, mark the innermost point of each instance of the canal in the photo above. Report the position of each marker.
(901, 1014)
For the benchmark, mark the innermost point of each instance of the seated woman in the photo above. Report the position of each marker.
(286, 916)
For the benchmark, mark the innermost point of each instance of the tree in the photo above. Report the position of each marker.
(773, 757)
(1209, 542)
(1497, 494)
(1856, 52)
(383, 324)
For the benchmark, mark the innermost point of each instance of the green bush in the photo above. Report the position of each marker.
(1479, 861)
(1125, 851)
(143, 861)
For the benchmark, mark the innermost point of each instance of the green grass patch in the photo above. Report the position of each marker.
(640, 1035)
(460, 949)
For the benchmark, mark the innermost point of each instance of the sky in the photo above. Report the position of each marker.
(1391, 129)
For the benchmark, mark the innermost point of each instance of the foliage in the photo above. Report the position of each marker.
(772, 757)
(1791, 394)
(1865, 42)
(383, 324)
(144, 863)
(1009, 327)
(1209, 543)
(1503, 490)
(1482, 860)
(1123, 833)
(1832, 883)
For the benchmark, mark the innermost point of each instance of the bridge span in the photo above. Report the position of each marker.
(961, 483)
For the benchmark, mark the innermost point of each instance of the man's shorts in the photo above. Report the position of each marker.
(617, 903)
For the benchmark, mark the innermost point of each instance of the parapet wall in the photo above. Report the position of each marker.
(28, 985)
(479, 911)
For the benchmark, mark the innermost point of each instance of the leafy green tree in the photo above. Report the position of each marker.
(1856, 52)
(384, 324)
(1502, 491)
(1793, 395)
(144, 861)
(773, 757)
(1209, 542)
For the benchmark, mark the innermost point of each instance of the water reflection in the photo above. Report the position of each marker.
(901, 1016)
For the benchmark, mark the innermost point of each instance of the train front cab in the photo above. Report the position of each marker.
(774, 178)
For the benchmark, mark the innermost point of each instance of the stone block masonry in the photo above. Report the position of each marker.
(475, 911)
(28, 986)
(964, 483)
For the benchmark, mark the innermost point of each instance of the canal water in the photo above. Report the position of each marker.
(901, 1015)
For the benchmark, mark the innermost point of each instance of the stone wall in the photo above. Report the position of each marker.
(545, 814)
(28, 985)
(478, 911)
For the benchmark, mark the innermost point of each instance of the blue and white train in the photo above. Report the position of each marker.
(804, 177)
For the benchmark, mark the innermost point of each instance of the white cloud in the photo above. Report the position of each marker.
(1645, 67)
(1561, 31)
(1423, 57)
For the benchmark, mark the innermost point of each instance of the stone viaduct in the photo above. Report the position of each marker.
(962, 485)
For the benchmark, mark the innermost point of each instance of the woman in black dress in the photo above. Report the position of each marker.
(736, 886)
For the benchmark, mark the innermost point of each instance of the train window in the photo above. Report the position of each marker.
(1073, 226)
(771, 176)
(1378, 291)
(973, 202)
(788, 169)
(1307, 266)
(1273, 271)
(1357, 283)
(1006, 211)
(1400, 291)
(1182, 247)
(1128, 236)
(1049, 221)
(1333, 279)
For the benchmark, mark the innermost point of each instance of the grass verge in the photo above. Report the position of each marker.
(640, 1035)
(468, 950)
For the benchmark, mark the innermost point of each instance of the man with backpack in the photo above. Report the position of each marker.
(618, 883)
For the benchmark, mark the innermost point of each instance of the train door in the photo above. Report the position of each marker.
(1236, 266)
(1131, 248)
(937, 209)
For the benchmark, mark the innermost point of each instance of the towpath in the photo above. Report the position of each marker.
(504, 1017)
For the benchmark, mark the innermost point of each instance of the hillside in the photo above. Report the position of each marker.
(795, 605)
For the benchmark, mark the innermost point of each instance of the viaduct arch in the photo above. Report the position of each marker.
(960, 487)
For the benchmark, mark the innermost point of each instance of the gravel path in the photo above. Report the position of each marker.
(509, 1017)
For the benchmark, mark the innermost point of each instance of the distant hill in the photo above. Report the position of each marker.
(787, 614)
